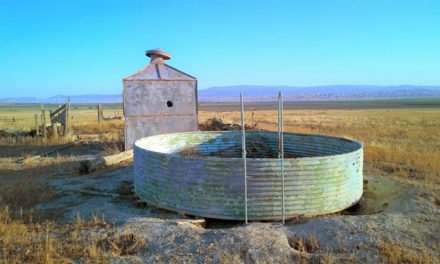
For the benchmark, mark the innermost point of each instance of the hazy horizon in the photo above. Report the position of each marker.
(256, 92)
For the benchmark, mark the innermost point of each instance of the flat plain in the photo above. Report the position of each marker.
(53, 213)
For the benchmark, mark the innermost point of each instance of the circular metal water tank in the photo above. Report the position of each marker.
(201, 173)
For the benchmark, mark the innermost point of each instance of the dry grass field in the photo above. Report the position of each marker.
(400, 144)
(397, 142)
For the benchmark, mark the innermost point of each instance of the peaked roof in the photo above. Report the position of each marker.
(159, 71)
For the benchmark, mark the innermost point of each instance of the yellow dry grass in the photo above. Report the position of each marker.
(394, 253)
(400, 142)
(83, 120)
(22, 242)
(79, 117)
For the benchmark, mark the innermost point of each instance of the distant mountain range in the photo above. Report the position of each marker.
(261, 93)
(59, 99)
(330, 92)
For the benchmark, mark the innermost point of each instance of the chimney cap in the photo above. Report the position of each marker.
(158, 53)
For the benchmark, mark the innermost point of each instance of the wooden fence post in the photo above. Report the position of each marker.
(66, 118)
(37, 132)
(43, 123)
(99, 113)
(54, 131)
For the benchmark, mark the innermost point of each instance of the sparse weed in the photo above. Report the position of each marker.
(50, 242)
(395, 253)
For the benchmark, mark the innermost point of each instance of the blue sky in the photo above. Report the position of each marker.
(85, 47)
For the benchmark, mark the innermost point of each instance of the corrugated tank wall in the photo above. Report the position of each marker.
(201, 173)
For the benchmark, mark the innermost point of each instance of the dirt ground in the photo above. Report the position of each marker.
(390, 213)
(392, 218)
(57, 214)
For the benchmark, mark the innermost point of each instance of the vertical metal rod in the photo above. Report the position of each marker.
(279, 126)
(243, 147)
(281, 142)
